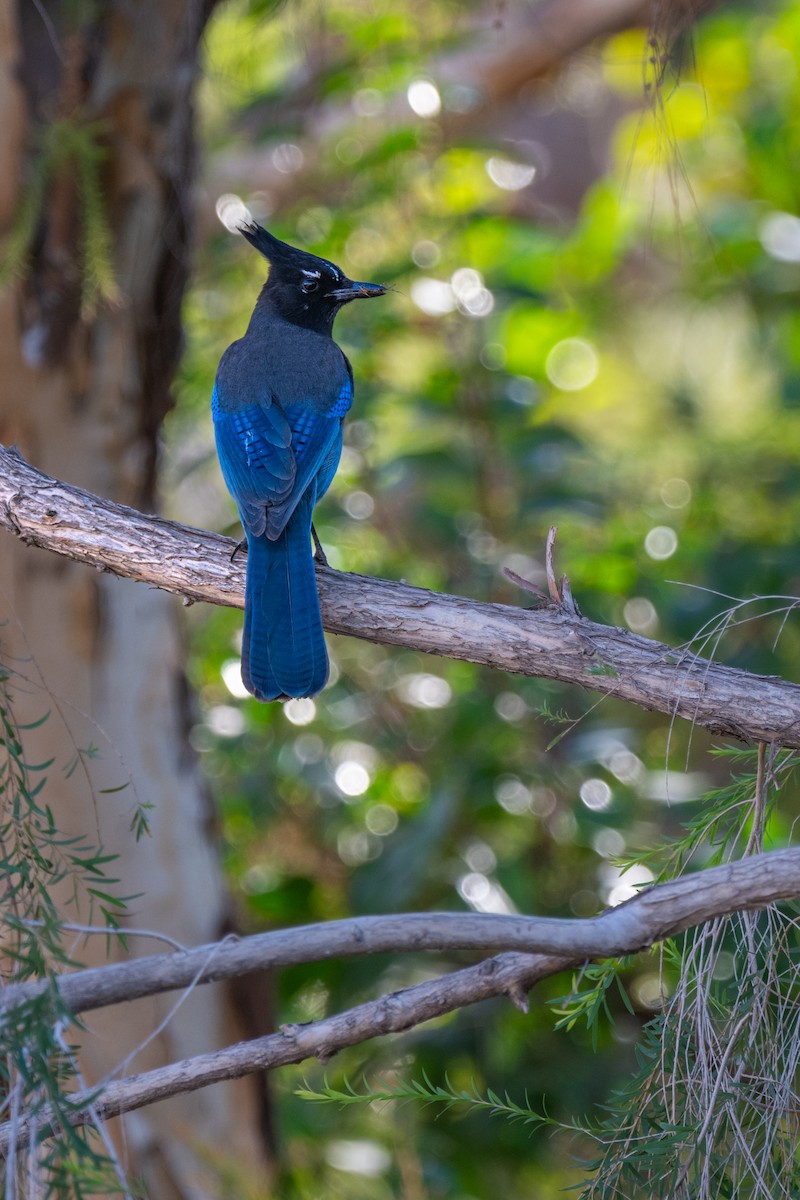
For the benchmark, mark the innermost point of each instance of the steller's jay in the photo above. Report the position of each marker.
(280, 398)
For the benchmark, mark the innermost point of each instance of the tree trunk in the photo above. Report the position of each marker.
(86, 392)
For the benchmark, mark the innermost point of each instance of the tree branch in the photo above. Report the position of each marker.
(550, 643)
(509, 974)
(658, 912)
(661, 911)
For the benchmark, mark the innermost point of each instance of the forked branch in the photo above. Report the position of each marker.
(551, 944)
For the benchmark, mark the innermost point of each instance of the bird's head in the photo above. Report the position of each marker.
(303, 288)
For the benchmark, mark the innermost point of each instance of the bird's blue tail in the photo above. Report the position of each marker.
(283, 646)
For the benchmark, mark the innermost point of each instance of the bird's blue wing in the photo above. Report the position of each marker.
(317, 447)
(270, 455)
(254, 444)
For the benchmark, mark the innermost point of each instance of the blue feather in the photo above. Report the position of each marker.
(280, 399)
(283, 647)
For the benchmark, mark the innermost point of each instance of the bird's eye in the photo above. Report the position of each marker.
(309, 285)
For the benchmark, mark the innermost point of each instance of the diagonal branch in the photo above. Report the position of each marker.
(656, 913)
(509, 974)
(549, 643)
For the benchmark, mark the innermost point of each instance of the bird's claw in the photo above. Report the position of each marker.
(319, 553)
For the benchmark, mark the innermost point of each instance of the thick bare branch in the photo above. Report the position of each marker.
(654, 914)
(661, 911)
(550, 643)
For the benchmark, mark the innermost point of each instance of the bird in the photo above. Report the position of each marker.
(281, 395)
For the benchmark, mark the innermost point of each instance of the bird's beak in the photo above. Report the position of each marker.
(354, 291)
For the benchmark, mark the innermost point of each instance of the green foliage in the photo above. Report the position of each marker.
(725, 824)
(69, 148)
(635, 381)
(709, 1112)
(611, 347)
(40, 870)
(590, 1006)
(423, 1091)
(709, 1109)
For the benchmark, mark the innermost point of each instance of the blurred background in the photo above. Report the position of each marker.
(596, 260)
(591, 228)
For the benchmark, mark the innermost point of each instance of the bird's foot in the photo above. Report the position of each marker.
(559, 592)
(242, 545)
(319, 553)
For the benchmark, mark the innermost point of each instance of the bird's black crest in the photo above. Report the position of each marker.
(281, 254)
